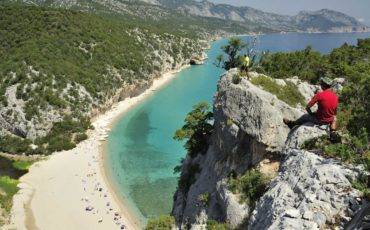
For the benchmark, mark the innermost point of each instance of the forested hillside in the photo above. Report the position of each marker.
(153, 16)
(58, 66)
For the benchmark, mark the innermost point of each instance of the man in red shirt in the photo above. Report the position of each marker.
(327, 102)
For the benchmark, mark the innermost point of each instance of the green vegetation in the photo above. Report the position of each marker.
(196, 130)
(10, 171)
(308, 64)
(12, 144)
(67, 63)
(80, 137)
(351, 149)
(288, 93)
(229, 122)
(362, 184)
(60, 136)
(235, 49)
(236, 79)
(252, 185)
(204, 199)
(351, 63)
(22, 165)
(8, 187)
(161, 223)
(214, 225)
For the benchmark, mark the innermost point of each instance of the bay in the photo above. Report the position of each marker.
(141, 152)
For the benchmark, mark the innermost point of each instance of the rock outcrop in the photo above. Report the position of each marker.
(308, 191)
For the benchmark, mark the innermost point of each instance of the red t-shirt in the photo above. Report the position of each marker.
(327, 102)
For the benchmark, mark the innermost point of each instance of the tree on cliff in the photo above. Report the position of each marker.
(235, 50)
(196, 129)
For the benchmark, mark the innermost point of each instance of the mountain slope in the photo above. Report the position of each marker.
(322, 20)
(59, 67)
(326, 20)
(205, 15)
(153, 15)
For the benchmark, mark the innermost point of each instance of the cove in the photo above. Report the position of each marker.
(141, 153)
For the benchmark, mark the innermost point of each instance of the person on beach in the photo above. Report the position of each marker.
(327, 102)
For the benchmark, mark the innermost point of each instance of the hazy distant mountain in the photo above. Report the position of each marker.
(322, 20)
(326, 20)
(242, 18)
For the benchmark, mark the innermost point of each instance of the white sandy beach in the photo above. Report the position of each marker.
(70, 190)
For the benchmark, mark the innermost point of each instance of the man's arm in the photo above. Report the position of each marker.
(311, 103)
(333, 125)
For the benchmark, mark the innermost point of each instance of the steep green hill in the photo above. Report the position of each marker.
(154, 16)
(57, 66)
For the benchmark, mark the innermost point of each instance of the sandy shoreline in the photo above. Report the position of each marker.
(71, 189)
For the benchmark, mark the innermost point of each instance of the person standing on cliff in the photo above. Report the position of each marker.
(245, 64)
(327, 102)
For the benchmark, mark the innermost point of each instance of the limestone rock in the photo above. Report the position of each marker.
(235, 212)
(316, 187)
(257, 113)
(303, 133)
(309, 192)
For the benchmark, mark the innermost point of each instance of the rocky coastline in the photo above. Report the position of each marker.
(306, 191)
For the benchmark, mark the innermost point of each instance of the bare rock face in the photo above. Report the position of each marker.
(248, 125)
(309, 191)
(256, 113)
(298, 136)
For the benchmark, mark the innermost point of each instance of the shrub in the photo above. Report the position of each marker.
(362, 184)
(22, 165)
(204, 199)
(13, 144)
(252, 185)
(8, 187)
(196, 130)
(161, 223)
(80, 137)
(59, 143)
(288, 93)
(4, 101)
(229, 122)
(60, 136)
(214, 225)
(307, 63)
(236, 79)
(352, 149)
(235, 49)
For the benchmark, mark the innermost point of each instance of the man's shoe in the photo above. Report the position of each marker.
(289, 123)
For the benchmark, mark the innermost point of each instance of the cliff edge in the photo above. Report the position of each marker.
(303, 191)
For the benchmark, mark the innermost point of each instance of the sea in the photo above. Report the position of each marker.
(141, 151)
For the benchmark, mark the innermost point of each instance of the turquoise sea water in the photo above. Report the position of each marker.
(141, 151)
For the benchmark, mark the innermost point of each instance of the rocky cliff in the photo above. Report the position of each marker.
(305, 190)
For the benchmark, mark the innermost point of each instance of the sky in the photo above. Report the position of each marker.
(359, 9)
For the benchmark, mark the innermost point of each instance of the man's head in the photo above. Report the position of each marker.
(325, 83)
